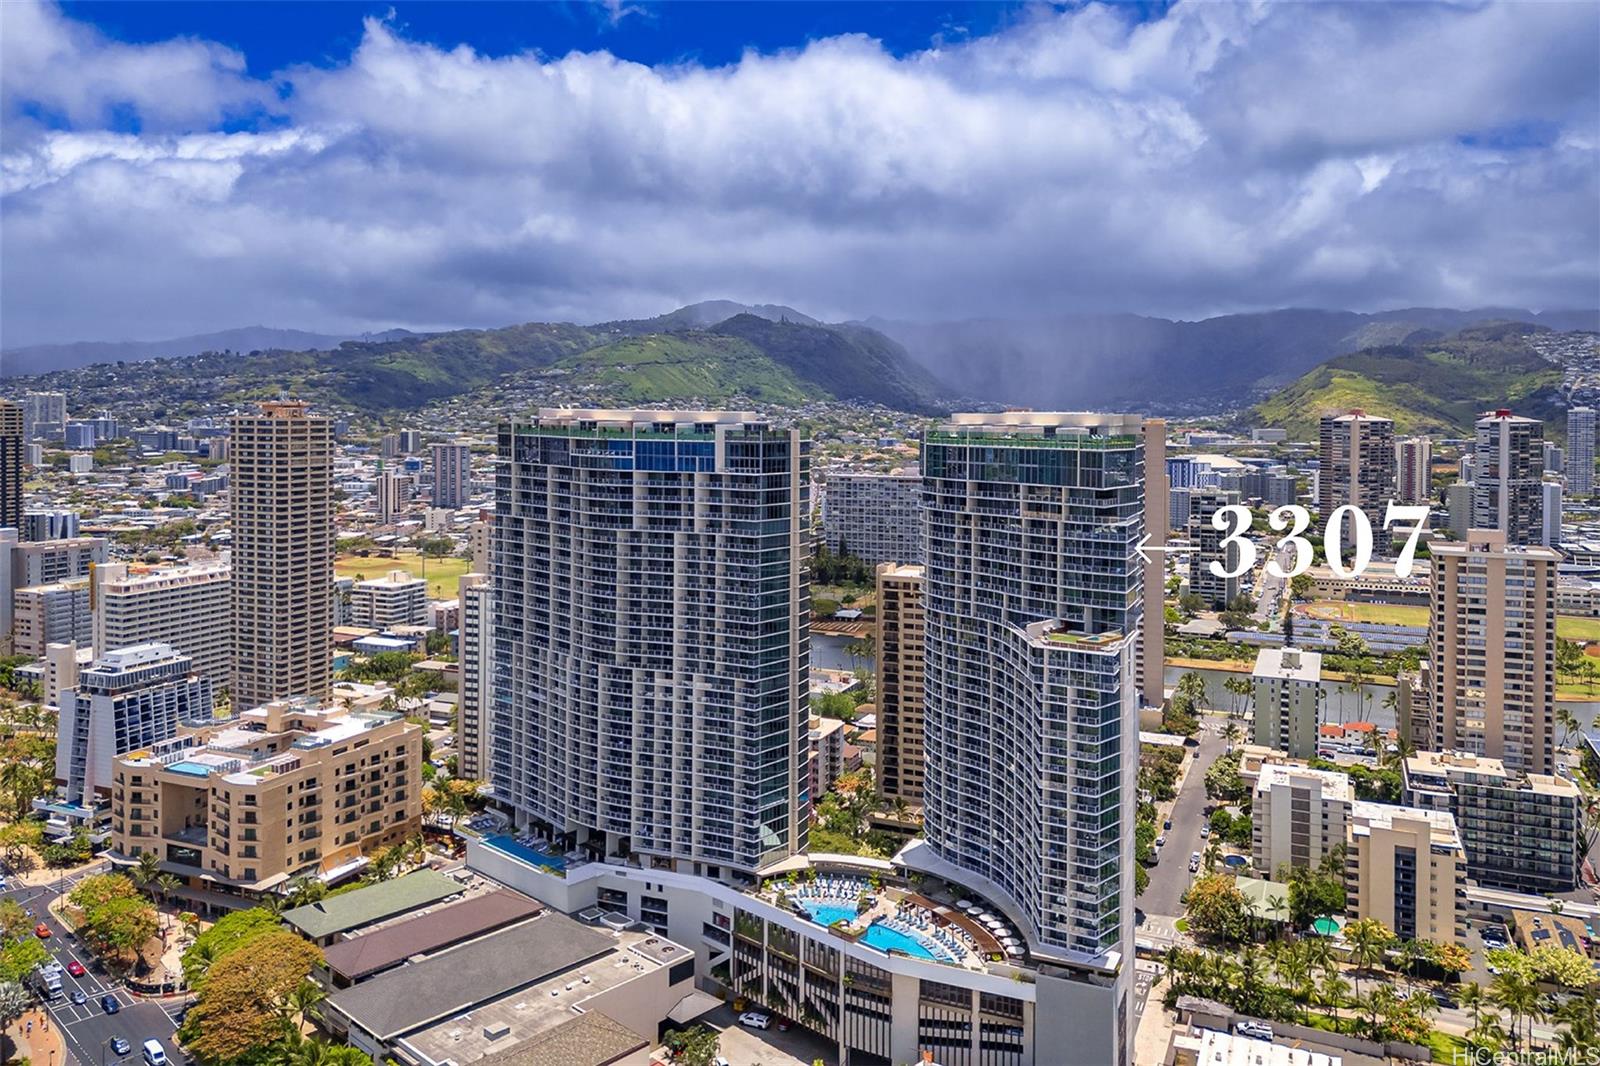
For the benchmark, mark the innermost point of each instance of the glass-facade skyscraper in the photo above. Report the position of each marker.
(1033, 608)
(651, 591)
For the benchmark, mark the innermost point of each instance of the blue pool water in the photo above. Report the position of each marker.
(878, 935)
(828, 913)
(193, 769)
(509, 844)
(883, 938)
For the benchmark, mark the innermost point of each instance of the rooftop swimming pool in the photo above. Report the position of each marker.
(511, 846)
(193, 769)
(878, 935)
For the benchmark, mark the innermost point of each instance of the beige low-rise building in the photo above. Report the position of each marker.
(1299, 816)
(285, 790)
(395, 599)
(1287, 689)
(1405, 867)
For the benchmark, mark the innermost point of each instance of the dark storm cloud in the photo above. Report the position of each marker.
(1220, 158)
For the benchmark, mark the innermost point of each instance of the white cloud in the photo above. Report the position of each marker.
(1224, 157)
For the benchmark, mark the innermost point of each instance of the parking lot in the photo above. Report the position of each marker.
(768, 1047)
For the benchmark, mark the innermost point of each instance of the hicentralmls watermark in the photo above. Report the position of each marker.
(1588, 1056)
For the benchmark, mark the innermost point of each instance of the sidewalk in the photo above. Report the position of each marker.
(43, 1047)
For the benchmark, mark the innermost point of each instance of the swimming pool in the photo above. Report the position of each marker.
(193, 769)
(878, 935)
(509, 844)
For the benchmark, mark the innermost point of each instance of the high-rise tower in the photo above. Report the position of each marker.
(1580, 451)
(452, 474)
(1414, 467)
(651, 628)
(1357, 465)
(10, 464)
(282, 499)
(1508, 476)
(1032, 604)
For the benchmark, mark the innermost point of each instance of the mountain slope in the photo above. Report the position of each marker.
(1091, 360)
(1436, 386)
(43, 358)
(701, 366)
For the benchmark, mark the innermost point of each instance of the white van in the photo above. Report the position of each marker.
(154, 1053)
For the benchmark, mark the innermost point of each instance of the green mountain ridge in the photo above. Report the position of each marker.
(1432, 385)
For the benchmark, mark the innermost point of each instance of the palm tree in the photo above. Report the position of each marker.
(1294, 970)
(1332, 992)
(14, 1001)
(304, 1000)
(1471, 998)
(1515, 994)
(1368, 939)
(146, 870)
(1580, 1018)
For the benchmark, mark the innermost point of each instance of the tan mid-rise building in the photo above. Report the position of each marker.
(282, 503)
(1299, 816)
(1491, 642)
(900, 657)
(286, 790)
(1405, 867)
(1357, 466)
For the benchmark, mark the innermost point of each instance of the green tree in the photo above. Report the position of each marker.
(696, 1046)
(14, 1003)
(231, 932)
(1217, 907)
(242, 1007)
(1369, 941)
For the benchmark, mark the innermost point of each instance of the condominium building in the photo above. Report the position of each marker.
(1150, 651)
(452, 474)
(1414, 469)
(1217, 591)
(44, 562)
(1032, 603)
(476, 596)
(1508, 476)
(1521, 832)
(49, 525)
(282, 505)
(1458, 508)
(825, 736)
(1356, 465)
(395, 599)
(1580, 451)
(1298, 816)
(651, 634)
(56, 613)
(11, 441)
(874, 517)
(285, 790)
(44, 414)
(392, 492)
(899, 638)
(1491, 642)
(1287, 685)
(128, 699)
(1550, 530)
(187, 607)
(1405, 867)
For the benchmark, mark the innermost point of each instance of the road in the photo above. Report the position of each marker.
(1169, 878)
(88, 1029)
(1272, 587)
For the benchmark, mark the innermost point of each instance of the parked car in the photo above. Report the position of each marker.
(42, 931)
(75, 968)
(1167, 824)
(752, 1019)
(109, 1004)
(1161, 841)
(120, 1045)
(1259, 1030)
(154, 1053)
(1205, 831)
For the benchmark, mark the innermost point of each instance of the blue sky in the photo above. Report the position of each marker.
(174, 168)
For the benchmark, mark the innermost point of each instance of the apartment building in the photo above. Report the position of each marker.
(1580, 451)
(49, 525)
(44, 415)
(46, 562)
(1491, 643)
(395, 599)
(1550, 530)
(1521, 832)
(656, 561)
(901, 630)
(186, 607)
(1287, 684)
(476, 596)
(127, 699)
(282, 508)
(1033, 607)
(1299, 816)
(288, 789)
(1405, 867)
(391, 493)
(1356, 464)
(452, 474)
(57, 613)
(1414, 470)
(826, 739)
(1508, 476)
(11, 442)
(874, 517)
(1215, 590)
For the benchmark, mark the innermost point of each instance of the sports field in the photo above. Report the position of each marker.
(1571, 628)
(442, 573)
